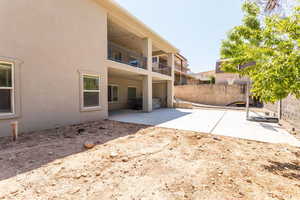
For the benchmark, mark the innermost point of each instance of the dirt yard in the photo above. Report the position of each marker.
(135, 162)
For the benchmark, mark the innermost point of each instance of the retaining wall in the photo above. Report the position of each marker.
(213, 94)
(290, 110)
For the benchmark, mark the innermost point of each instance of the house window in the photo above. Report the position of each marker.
(113, 93)
(6, 88)
(132, 93)
(91, 91)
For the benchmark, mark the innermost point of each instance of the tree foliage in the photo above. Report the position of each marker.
(212, 80)
(273, 45)
(280, 7)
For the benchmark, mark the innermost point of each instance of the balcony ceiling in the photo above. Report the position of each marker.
(123, 17)
(124, 74)
(123, 36)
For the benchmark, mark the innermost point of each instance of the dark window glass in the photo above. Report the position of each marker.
(109, 94)
(91, 99)
(5, 101)
(131, 93)
(91, 83)
(115, 93)
(5, 75)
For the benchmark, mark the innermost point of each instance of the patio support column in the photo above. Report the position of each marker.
(147, 52)
(170, 83)
(147, 93)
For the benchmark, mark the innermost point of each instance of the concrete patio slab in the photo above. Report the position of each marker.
(219, 122)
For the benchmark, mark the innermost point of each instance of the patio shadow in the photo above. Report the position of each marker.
(268, 127)
(156, 117)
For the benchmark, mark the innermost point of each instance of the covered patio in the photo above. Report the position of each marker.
(136, 91)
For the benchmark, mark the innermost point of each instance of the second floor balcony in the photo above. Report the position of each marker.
(123, 55)
(133, 49)
(126, 56)
(162, 69)
(182, 69)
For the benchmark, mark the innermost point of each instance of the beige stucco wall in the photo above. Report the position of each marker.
(210, 94)
(123, 85)
(54, 39)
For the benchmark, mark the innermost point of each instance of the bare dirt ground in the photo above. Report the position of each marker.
(135, 162)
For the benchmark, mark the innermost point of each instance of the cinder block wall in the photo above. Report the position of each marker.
(272, 108)
(220, 95)
(290, 110)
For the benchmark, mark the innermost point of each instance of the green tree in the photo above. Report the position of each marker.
(273, 45)
(212, 80)
(280, 7)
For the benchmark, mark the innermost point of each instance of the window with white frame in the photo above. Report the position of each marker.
(113, 93)
(6, 88)
(91, 91)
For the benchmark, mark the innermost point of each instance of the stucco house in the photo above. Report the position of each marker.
(222, 77)
(183, 74)
(228, 78)
(70, 61)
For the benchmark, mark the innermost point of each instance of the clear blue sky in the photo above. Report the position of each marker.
(196, 27)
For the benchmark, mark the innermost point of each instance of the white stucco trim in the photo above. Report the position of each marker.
(115, 102)
(15, 88)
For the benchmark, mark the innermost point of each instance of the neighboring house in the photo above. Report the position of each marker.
(205, 77)
(228, 78)
(66, 62)
(182, 71)
(221, 77)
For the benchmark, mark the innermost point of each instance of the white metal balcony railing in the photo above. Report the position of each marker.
(181, 69)
(163, 69)
(123, 55)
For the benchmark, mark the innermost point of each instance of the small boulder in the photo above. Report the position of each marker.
(113, 154)
(125, 159)
(248, 180)
(217, 139)
(89, 144)
(199, 137)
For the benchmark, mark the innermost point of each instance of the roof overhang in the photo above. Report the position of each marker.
(181, 57)
(122, 16)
